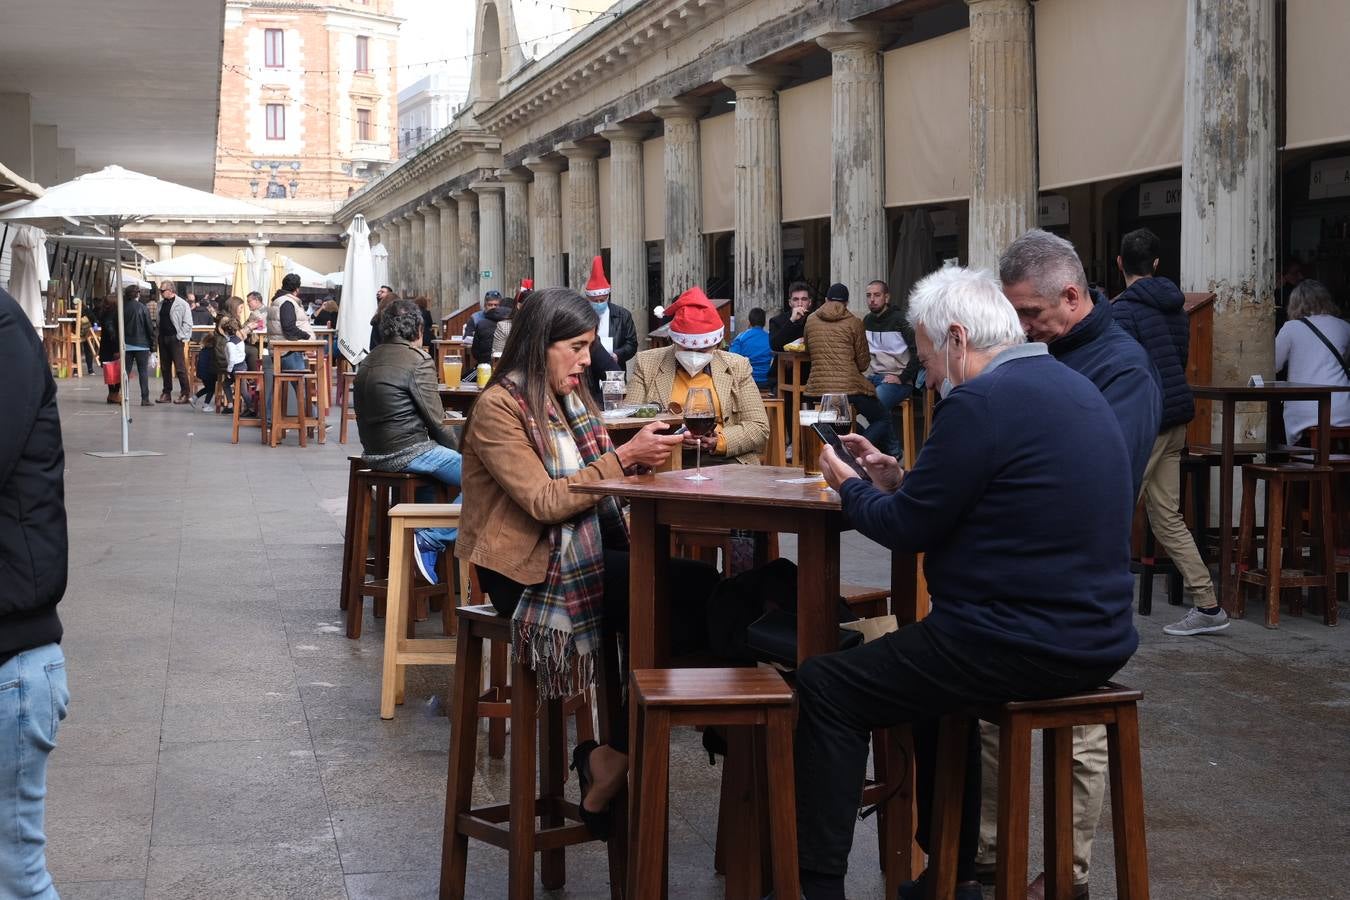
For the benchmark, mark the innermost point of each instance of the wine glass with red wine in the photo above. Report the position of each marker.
(700, 419)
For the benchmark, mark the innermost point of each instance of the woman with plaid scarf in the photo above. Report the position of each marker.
(556, 562)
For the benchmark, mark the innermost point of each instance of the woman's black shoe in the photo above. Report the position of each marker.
(597, 823)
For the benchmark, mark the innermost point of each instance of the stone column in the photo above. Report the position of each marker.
(447, 245)
(491, 245)
(165, 246)
(407, 270)
(857, 216)
(469, 291)
(16, 134)
(389, 236)
(682, 263)
(1004, 177)
(759, 200)
(583, 193)
(431, 258)
(517, 211)
(1229, 208)
(415, 267)
(546, 229)
(627, 250)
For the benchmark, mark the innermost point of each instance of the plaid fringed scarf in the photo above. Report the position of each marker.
(556, 628)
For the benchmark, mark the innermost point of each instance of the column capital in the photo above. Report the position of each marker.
(482, 187)
(838, 36)
(511, 176)
(575, 150)
(1001, 5)
(169, 242)
(423, 209)
(750, 79)
(542, 165)
(622, 132)
(442, 202)
(464, 197)
(253, 242)
(671, 108)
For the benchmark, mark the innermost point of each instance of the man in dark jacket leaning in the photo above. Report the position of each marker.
(33, 548)
(401, 419)
(1044, 279)
(1152, 311)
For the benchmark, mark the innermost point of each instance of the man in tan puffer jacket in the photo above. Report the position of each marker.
(837, 343)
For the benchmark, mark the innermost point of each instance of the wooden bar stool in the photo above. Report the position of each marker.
(753, 698)
(775, 448)
(531, 822)
(1114, 706)
(355, 464)
(1284, 567)
(258, 421)
(401, 647)
(346, 406)
(372, 496)
(306, 391)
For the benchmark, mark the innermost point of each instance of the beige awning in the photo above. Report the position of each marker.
(13, 188)
(1318, 69)
(717, 152)
(1110, 82)
(654, 188)
(927, 103)
(804, 136)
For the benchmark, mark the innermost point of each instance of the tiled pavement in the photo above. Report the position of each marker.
(224, 739)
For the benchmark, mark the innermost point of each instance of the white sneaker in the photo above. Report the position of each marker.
(1196, 622)
(207, 407)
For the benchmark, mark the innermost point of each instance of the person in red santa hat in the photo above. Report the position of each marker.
(615, 337)
(693, 360)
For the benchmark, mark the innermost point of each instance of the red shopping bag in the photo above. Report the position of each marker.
(112, 372)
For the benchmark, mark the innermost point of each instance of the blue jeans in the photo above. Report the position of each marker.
(881, 430)
(33, 699)
(443, 464)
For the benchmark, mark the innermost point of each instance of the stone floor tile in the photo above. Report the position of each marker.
(131, 889)
(296, 869)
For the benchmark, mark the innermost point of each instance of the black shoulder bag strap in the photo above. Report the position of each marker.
(1330, 346)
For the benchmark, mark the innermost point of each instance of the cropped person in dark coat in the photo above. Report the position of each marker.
(1152, 311)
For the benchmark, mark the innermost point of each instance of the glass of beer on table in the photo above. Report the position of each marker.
(808, 442)
(452, 368)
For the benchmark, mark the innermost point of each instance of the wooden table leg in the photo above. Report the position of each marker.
(1227, 580)
(648, 597)
(817, 586)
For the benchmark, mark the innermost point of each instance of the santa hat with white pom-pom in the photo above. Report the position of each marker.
(696, 326)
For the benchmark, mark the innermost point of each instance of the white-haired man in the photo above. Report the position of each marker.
(1025, 604)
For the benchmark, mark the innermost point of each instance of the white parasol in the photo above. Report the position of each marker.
(25, 279)
(192, 267)
(379, 254)
(358, 294)
(113, 198)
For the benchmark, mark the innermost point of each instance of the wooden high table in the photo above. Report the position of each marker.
(459, 397)
(1273, 394)
(319, 348)
(791, 386)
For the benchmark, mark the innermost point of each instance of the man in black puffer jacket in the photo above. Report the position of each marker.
(1152, 311)
(33, 547)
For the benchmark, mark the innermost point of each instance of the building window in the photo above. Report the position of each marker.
(362, 53)
(274, 48)
(276, 122)
(363, 129)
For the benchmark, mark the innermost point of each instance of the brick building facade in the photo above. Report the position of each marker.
(308, 97)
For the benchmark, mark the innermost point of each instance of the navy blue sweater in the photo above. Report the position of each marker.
(1022, 502)
(1153, 312)
(1100, 350)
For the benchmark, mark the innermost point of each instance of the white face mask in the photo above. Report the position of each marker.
(693, 361)
(946, 387)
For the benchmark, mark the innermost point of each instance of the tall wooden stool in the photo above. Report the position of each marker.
(375, 493)
(401, 647)
(1114, 706)
(258, 421)
(775, 449)
(306, 385)
(355, 464)
(755, 698)
(346, 406)
(530, 822)
(1283, 569)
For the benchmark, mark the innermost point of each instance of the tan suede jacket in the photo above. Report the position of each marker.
(509, 499)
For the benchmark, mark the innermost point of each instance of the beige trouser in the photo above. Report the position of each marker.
(1162, 501)
(1089, 790)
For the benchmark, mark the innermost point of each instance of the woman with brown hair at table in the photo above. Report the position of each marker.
(556, 562)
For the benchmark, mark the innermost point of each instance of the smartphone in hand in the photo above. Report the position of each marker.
(828, 435)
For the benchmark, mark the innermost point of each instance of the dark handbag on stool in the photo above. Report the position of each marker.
(773, 638)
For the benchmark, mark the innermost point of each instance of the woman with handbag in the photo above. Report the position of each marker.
(554, 561)
(108, 348)
(1312, 345)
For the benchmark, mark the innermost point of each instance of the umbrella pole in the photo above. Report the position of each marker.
(122, 347)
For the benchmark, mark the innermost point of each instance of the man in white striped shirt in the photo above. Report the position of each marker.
(894, 364)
